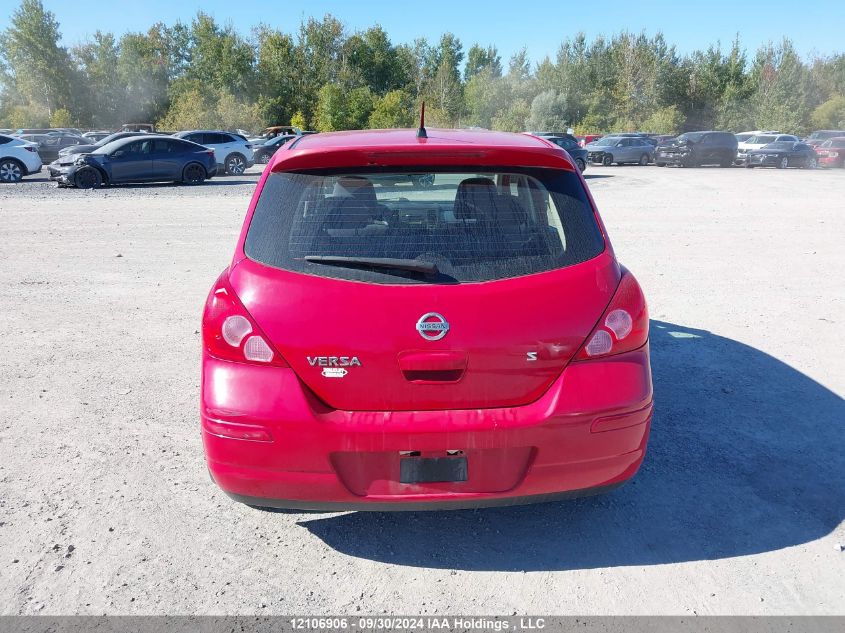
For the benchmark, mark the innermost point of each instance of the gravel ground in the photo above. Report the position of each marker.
(106, 506)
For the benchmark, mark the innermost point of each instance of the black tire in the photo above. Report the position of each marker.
(749, 166)
(660, 164)
(607, 161)
(580, 164)
(784, 163)
(263, 158)
(11, 170)
(193, 174)
(643, 160)
(235, 164)
(811, 163)
(87, 178)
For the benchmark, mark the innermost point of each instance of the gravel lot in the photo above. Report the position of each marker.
(106, 506)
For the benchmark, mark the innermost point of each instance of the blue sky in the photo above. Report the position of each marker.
(816, 27)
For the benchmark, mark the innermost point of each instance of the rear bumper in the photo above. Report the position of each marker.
(588, 433)
(830, 161)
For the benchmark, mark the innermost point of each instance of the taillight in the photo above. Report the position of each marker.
(30, 148)
(623, 326)
(230, 333)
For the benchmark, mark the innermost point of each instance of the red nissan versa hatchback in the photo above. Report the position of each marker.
(423, 322)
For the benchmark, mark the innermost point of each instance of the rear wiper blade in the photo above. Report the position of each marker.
(411, 265)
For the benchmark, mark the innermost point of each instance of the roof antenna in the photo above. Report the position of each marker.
(421, 133)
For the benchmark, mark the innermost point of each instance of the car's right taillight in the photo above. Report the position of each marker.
(230, 333)
(31, 148)
(623, 326)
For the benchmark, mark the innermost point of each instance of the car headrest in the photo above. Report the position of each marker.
(475, 199)
(356, 187)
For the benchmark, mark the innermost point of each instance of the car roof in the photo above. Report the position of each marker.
(402, 147)
(204, 131)
(401, 136)
(131, 139)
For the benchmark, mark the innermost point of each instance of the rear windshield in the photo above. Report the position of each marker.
(471, 226)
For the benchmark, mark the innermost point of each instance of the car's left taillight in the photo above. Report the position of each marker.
(31, 148)
(230, 333)
(624, 325)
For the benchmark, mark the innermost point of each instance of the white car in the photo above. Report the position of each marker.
(759, 140)
(232, 151)
(741, 137)
(18, 158)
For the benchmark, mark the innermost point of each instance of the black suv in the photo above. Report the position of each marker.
(693, 149)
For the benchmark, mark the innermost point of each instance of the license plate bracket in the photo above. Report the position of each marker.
(427, 470)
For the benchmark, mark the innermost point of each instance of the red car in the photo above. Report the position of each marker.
(831, 152)
(585, 140)
(417, 321)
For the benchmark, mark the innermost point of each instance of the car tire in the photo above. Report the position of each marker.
(607, 161)
(263, 158)
(749, 166)
(643, 160)
(784, 163)
(235, 164)
(811, 163)
(11, 170)
(87, 178)
(580, 164)
(193, 174)
(660, 164)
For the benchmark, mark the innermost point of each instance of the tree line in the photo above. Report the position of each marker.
(320, 76)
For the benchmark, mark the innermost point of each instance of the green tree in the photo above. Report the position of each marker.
(339, 109)
(298, 120)
(780, 101)
(548, 112)
(668, 120)
(395, 109)
(219, 57)
(61, 118)
(482, 59)
(830, 114)
(103, 97)
(40, 69)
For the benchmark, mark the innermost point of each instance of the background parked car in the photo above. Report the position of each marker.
(89, 147)
(569, 144)
(18, 158)
(98, 135)
(620, 149)
(138, 127)
(820, 136)
(148, 158)
(694, 149)
(757, 141)
(741, 137)
(263, 153)
(831, 153)
(586, 139)
(50, 146)
(234, 153)
(783, 154)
